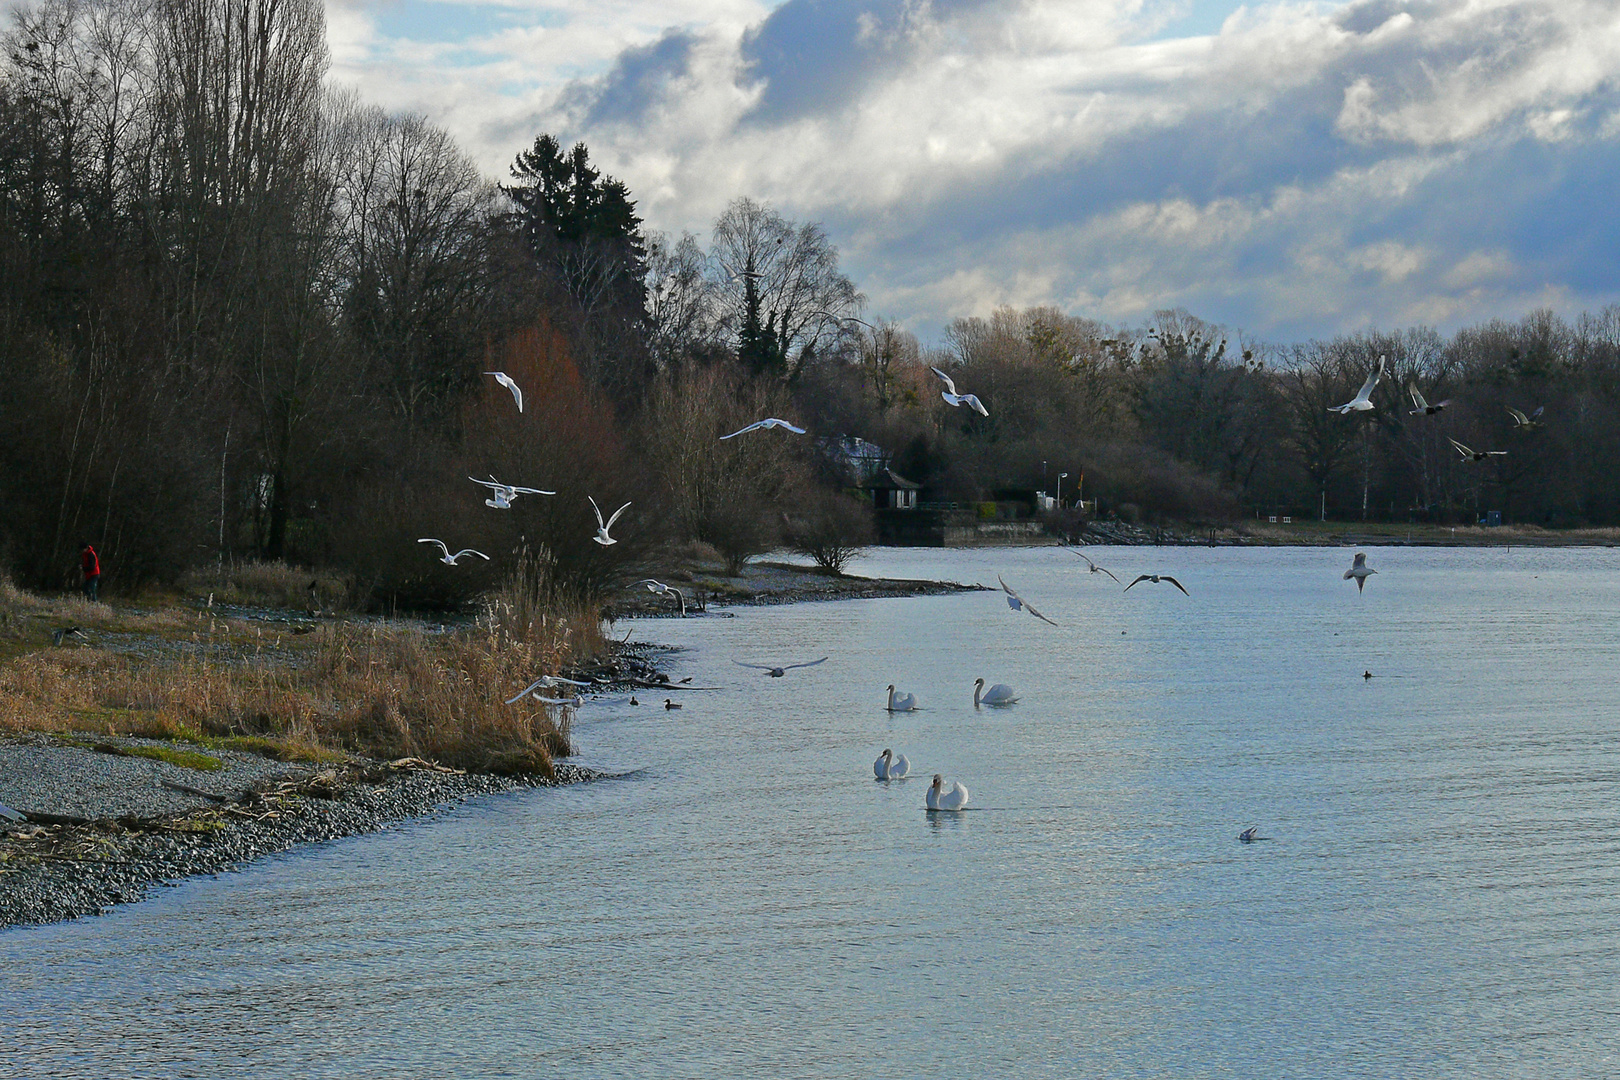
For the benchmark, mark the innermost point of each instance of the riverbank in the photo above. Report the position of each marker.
(705, 589)
(1300, 533)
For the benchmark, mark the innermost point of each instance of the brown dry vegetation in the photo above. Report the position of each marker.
(385, 690)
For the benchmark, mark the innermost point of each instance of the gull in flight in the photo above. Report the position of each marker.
(506, 380)
(1362, 402)
(1359, 570)
(447, 558)
(953, 398)
(1475, 455)
(501, 495)
(1018, 603)
(1522, 422)
(778, 672)
(1156, 578)
(663, 590)
(1095, 569)
(548, 680)
(738, 275)
(602, 536)
(1423, 407)
(768, 422)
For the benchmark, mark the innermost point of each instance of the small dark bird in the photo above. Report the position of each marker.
(776, 672)
(1155, 579)
(687, 679)
(1250, 835)
(1366, 674)
(633, 700)
(668, 704)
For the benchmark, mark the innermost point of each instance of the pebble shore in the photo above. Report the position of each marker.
(64, 872)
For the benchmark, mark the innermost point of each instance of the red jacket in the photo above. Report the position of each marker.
(88, 560)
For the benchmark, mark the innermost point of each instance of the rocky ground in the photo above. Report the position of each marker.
(707, 590)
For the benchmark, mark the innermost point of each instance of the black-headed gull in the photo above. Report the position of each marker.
(778, 672)
(449, 559)
(1423, 407)
(1154, 579)
(665, 590)
(768, 422)
(501, 495)
(602, 527)
(506, 380)
(1475, 455)
(1018, 603)
(1362, 402)
(1359, 570)
(548, 680)
(1095, 569)
(953, 398)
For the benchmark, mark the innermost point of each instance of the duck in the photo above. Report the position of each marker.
(940, 797)
(901, 702)
(668, 704)
(999, 694)
(891, 766)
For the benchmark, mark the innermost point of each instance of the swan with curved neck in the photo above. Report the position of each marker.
(891, 766)
(901, 702)
(940, 797)
(999, 694)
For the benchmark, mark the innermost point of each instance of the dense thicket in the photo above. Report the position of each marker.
(243, 315)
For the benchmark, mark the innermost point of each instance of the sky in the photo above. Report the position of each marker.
(1289, 170)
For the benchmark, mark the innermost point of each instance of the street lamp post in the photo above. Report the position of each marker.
(1061, 475)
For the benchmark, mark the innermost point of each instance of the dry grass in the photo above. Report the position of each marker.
(385, 691)
(253, 583)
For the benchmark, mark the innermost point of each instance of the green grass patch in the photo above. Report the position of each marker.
(187, 759)
(278, 751)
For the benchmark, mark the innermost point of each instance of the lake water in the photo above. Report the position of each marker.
(1438, 893)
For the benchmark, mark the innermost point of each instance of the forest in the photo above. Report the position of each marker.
(244, 315)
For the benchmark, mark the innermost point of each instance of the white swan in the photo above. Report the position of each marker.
(954, 797)
(891, 766)
(901, 702)
(999, 694)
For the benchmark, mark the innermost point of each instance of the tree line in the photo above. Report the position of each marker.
(245, 315)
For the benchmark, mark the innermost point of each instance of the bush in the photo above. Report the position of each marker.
(830, 528)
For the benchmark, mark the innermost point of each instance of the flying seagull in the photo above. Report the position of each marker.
(1362, 402)
(665, 590)
(1359, 570)
(768, 422)
(1522, 422)
(953, 398)
(1095, 569)
(1155, 579)
(778, 672)
(1018, 603)
(506, 380)
(1423, 407)
(501, 495)
(447, 558)
(547, 680)
(602, 536)
(1475, 455)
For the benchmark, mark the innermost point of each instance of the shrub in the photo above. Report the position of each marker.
(830, 528)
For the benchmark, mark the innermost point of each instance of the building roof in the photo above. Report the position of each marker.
(888, 479)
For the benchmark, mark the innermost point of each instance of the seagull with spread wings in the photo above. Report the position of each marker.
(1018, 603)
(506, 380)
(778, 672)
(602, 527)
(1362, 402)
(501, 495)
(548, 681)
(953, 398)
(768, 422)
(1095, 569)
(447, 558)
(1155, 579)
(1359, 570)
(664, 590)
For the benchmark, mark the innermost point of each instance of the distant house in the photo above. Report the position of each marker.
(891, 491)
(859, 459)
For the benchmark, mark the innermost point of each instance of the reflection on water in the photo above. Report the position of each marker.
(1437, 895)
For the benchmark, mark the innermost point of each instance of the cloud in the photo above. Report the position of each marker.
(1309, 168)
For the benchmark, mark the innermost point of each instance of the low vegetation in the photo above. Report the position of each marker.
(385, 690)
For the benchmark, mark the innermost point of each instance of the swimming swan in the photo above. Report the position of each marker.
(954, 797)
(891, 766)
(902, 702)
(999, 694)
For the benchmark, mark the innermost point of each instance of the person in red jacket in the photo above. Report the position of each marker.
(91, 565)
